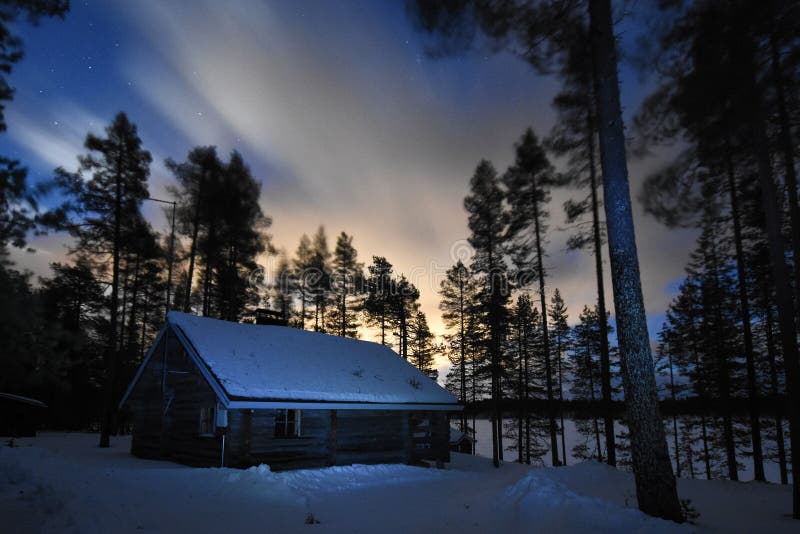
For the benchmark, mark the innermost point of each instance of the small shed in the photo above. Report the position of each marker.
(461, 441)
(213, 392)
(20, 416)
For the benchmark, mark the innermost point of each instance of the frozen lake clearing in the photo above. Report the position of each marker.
(64, 483)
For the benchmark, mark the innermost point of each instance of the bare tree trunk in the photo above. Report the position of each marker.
(605, 360)
(703, 401)
(561, 405)
(187, 305)
(787, 147)
(495, 305)
(520, 399)
(723, 371)
(134, 303)
(462, 343)
(303, 304)
(780, 278)
(674, 416)
(655, 483)
(773, 375)
(144, 325)
(551, 416)
(526, 358)
(744, 303)
(111, 344)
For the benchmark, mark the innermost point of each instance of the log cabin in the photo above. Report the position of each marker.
(219, 393)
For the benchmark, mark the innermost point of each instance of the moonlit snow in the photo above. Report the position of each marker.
(64, 483)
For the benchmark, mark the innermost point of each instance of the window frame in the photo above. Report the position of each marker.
(205, 425)
(286, 419)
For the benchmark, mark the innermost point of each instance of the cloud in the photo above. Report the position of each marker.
(347, 124)
(56, 134)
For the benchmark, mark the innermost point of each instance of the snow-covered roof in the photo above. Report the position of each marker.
(24, 400)
(265, 362)
(456, 436)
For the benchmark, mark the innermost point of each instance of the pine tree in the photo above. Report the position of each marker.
(488, 224)
(457, 292)
(347, 281)
(107, 206)
(195, 197)
(241, 237)
(528, 182)
(561, 342)
(319, 280)
(302, 266)
(524, 345)
(586, 381)
(423, 346)
(284, 286)
(380, 292)
(404, 305)
(666, 364)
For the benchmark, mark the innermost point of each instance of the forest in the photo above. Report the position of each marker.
(721, 380)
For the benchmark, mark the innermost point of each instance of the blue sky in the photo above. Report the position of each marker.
(336, 108)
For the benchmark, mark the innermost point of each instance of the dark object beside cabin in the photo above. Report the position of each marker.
(461, 442)
(20, 416)
(177, 415)
(265, 317)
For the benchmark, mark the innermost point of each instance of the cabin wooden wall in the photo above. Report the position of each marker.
(166, 405)
(145, 404)
(338, 437)
(252, 441)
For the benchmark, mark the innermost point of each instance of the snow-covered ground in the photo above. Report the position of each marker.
(64, 483)
(572, 437)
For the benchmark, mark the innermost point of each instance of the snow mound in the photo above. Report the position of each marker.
(349, 477)
(553, 507)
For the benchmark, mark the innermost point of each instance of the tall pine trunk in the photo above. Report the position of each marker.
(744, 304)
(520, 400)
(773, 375)
(111, 344)
(595, 426)
(674, 415)
(145, 310)
(526, 359)
(723, 369)
(134, 305)
(494, 356)
(780, 276)
(655, 483)
(561, 406)
(551, 415)
(787, 147)
(605, 360)
(193, 251)
(462, 343)
(703, 401)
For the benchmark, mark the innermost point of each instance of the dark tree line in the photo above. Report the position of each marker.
(509, 345)
(333, 292)
(728, 94)
(728, 70)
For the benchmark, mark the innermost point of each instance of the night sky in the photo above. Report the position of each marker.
(338, 111)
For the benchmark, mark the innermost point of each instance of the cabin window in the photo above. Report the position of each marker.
(287, 423)
(206, 421)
